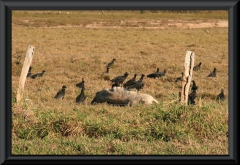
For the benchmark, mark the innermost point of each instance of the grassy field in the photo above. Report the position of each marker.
(71, 45)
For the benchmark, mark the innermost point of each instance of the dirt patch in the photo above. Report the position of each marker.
(207, 24)
(150, 24)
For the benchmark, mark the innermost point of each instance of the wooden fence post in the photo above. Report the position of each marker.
(187, 77)
(23, 76)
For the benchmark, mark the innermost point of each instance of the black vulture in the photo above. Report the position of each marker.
(194, 87)
(130, 82)
(162, 73)
(213, 74)
(191, 97)
(180, 78)
(221, 96)
(138, 84)
(61, 93)
(81, 97)
(38, 74)
(120, 79)
(109, 65)
(197, 67)
(154, 75)
(81, 84)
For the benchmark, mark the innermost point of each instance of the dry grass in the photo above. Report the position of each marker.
(79, 45)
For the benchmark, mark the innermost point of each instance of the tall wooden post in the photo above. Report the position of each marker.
(187, 77)
(25, 68)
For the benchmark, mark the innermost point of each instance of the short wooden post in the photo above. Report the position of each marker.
(23, 76)
(187, 77)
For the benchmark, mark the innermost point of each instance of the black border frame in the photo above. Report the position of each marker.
(6, 6)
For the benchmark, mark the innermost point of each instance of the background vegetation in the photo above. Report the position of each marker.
(71, 45)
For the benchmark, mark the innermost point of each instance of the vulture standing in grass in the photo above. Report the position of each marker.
(191, 97)
(81, 84)
(154, 75)
(221, 96)
(130, 82)
(38, 74)
(197, 67)
(138, 84)
(29, 72)
(120, 79)
(109, 65)
(162, 73)
(180, 78)
(81, 97)
(213, 74)
(61, 93)
(194, 87)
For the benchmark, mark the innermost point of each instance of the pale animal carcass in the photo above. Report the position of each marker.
(121, 96)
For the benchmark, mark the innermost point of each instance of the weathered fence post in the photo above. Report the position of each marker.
(25, 68)
(187, 77)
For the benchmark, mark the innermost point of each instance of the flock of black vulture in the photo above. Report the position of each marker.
(131, 83)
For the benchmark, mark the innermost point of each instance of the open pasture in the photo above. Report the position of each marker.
(71, 45)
